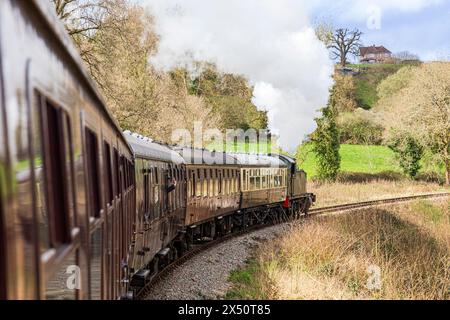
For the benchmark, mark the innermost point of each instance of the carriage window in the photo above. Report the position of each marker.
(116, 172)
(107, 165)
(258, 183)
(156, 176)
(220, 182)
(125, 173)
(146, 190)
(224, 186)
(211, 186)
(191, 185)
(92, 173)
(205, 187)
(264, 182)
(198, 188)
(56, 140)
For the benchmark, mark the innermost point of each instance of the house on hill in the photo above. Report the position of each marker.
(374, 54)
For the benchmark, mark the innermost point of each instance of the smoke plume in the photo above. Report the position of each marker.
(270, 42)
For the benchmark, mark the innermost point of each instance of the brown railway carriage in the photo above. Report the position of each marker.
(160, 202)
(213, 184)
(263, 180)
(66, 182)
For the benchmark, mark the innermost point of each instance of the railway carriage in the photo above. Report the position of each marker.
(160, 181)
(213, 192)
(66, 189)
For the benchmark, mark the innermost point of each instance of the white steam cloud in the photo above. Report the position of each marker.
(270, 42)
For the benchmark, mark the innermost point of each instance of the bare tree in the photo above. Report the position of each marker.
(345, 42)
(81, 17)
(406, 55)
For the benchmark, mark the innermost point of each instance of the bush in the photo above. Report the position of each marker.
(409, 152)
(360, 128)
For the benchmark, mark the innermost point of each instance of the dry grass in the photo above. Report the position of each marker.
(328, 257)
(368, 189)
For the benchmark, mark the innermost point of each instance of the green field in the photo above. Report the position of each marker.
(354, 158)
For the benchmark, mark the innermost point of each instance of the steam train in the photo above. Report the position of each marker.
(90, 212)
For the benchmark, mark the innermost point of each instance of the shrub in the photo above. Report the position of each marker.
(360, 128)
(409, 152)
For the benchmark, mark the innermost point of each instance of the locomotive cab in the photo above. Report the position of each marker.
(298, 185)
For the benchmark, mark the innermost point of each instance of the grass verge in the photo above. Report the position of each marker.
(398, 253)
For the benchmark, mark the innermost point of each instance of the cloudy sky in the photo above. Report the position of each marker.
(272, 43)
(419, 26)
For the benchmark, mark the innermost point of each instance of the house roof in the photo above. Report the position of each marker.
(373, 49)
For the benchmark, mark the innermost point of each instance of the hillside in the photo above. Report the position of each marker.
(367, 81)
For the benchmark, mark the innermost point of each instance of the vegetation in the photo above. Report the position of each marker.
(359, 187)
(360, 127)
(325, 143)
(344, 93)
(342, 42)
(230, 97)
(367, 81)
(396, 253)
(116, 39)
(423, 104)
(409, 152)
(354, 158)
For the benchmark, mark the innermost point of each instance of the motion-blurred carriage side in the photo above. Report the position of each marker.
(67, 189)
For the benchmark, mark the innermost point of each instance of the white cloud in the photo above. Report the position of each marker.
(270, 42)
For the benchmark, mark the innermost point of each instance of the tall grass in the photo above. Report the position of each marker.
(334, 257)
(359, 188)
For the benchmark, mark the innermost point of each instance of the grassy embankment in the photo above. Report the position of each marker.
(335, 257)
(367, 81)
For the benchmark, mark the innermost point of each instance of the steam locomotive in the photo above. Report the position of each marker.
(90, 212)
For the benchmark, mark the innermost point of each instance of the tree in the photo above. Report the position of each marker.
(343, 43)
(230, 97)
(406, 56)
(421, 109)
(326, 143)
(324, 32)
(410, 152)
(116, 40)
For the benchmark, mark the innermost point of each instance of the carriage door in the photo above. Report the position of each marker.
(109, 195)
(122, 221)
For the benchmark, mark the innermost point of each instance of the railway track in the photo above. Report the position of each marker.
(313, 212)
